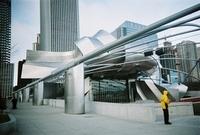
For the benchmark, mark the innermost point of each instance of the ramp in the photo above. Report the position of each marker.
(140, 92)
(153, 88)
(145, 92)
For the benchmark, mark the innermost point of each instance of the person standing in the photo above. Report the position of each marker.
(14, 103)
(164, 104)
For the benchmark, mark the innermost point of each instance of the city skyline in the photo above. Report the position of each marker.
(27, 21)
(93, 15)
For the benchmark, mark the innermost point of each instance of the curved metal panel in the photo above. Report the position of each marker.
(33, 71)
(87, 45)
(140, 62)
(133, 62)
(45, 56)
(41, 63)
(104, 37)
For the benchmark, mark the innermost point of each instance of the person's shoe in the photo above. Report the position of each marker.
(168, 123)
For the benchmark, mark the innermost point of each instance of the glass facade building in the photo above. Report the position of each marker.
(198, 52)
(6, 79)
(128, 28)
(59, 25)
(167, 60)
(187, 50)
(5, 30)
(109, 91)
(6, 68)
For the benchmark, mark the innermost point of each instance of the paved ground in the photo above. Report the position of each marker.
(45, 120)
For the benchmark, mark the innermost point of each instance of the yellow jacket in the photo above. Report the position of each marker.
(164, 99)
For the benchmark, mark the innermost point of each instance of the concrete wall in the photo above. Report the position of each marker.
(144, 112)
(136, 112)
(60, 103)
(193, 93)
(177, 109)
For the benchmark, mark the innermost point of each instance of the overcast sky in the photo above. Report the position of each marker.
(93, 14)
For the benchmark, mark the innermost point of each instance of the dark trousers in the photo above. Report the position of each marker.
(166, 115)
(14, 103)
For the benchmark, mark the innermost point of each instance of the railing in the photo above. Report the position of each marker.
(109, 91)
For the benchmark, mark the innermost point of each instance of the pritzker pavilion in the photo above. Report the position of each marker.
(123, 75)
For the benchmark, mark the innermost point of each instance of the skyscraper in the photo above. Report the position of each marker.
(5, 24)
(187, 51)
(128, 28)
(59, 25)
(6, 68)
(167, 60)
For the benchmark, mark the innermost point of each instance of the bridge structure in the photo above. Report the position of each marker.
(110, 60)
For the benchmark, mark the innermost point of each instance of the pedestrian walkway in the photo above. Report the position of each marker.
(45, 120)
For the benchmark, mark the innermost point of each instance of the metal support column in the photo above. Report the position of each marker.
(74, 90)
(24, 96)
(38, 93)
(27, 94)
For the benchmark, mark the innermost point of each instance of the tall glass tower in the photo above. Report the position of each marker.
(128, 28)
(187, 50)
(5, 25)
(59, 25)
(6, 68)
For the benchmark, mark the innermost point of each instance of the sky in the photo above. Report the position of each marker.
(93, 16)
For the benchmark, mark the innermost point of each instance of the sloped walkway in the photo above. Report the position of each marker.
(45, 120)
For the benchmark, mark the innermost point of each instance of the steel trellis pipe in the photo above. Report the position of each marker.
(181, 23)
(181, 33)
(118, 43)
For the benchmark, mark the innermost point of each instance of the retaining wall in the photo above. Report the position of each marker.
(9, 127)
(145, 112)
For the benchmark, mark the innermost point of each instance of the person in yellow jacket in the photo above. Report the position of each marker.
(164, 101)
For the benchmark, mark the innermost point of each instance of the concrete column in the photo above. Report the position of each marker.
(38, 93)
(74, 90)
(19, 96)
(25, 95)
